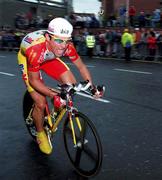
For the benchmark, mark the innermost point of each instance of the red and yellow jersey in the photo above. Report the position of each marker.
(33, 47)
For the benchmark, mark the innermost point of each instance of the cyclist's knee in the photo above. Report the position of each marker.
(40, 105)
(39, 102)
(67, 78)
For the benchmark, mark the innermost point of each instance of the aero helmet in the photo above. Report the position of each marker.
(60, 27)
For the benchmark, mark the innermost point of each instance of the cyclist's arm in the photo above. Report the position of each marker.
(38, 85)
(83, 69)
(75, 58)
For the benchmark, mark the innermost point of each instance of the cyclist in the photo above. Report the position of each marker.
(41, 51)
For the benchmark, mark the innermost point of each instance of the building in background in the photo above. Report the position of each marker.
(112, 6)
(42, 8)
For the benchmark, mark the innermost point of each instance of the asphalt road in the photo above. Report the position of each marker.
(130, 126)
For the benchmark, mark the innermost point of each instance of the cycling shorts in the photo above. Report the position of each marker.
(53, 68)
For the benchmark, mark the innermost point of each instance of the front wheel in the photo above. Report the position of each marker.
(86, 154)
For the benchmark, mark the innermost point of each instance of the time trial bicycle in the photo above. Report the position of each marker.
(81, 139)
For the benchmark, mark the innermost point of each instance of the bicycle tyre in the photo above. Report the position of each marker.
(27, 106)
(75, 154)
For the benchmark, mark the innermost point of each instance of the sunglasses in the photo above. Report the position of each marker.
(60, 41)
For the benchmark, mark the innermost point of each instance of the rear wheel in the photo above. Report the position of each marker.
(86, 155)
(27, 114)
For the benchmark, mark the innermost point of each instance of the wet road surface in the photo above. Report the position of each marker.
(130, 126)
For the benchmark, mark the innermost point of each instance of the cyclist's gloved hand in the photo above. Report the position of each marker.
(97, 91)
(84, 85)
(66, 89)
(59, 102)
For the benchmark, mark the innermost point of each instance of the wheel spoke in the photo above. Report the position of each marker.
(78, 156)
(90, 153)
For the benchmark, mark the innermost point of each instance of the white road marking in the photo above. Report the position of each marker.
(7, 74)
(89, 66)
(127, 70)
(2, 56)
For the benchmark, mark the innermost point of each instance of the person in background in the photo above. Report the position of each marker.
(152, 46)
(90, 43)
(132, 14)
(127, 43)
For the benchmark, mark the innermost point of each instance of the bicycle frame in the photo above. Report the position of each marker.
(79, 133)
(68, 108)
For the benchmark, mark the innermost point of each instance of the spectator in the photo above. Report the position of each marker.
(122, 15)
(141, 19)
(132, 13)
(90, 43)
(137, 41)
(148, 20)
(151, 40)
(72, 18)
(155, 18)
(102, 42)
(109, 42)
(159, 44)
(127, 42)
(112, 20)
(143, 46)
(97, 46)
(118, 43)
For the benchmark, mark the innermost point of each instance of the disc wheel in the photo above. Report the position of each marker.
(86, 155)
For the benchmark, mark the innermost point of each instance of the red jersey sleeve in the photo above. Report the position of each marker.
(71, 53)
(34, 56)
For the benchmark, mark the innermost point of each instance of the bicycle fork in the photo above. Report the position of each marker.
(72, 127)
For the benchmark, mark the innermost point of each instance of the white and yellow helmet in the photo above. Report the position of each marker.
(60, 27)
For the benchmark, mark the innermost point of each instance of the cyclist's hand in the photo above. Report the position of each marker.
(59, 102)
(84, 85)
(97, 91)
(66, 89)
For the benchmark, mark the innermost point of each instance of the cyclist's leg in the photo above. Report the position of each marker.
(39, 100)
(38, 117)
(39, 106)
(38, 111)
(59, 71)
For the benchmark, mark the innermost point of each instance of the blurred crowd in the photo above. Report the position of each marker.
(26, 21)
(108, 43)
(136, 19)
(118, 19)
(107, 39)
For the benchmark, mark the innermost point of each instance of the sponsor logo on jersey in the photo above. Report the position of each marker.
(33, 56)
(21, 66)
(41, 57)
(28, 40)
